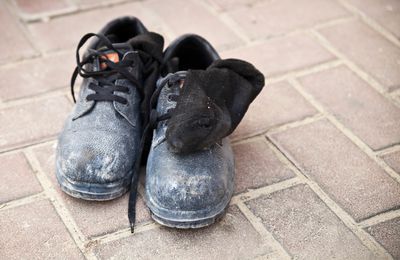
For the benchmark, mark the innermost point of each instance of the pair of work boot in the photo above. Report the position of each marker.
(175, 107)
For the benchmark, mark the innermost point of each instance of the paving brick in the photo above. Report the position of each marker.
(232, 237)
(257, 166)
(32, 122)
(340, 168)
(100, 218)
(51, 35)
(306, 227)
(386, 12)
(396, 99)
(281, 55)
(388, 235)
(18, 179)
(13, 44)
(40, 6)
(35, 231)
(393, 160)
(194, 18)
(368, 49)
(277, 104)
(271, 18)
(358, 106)
(36, 76)
(94, 3)
(93, 218)
(223, 5)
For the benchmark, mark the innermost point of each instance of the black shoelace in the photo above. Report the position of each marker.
(104, 90)
(154, 119)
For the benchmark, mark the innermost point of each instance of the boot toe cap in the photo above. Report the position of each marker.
(94, 159)
(188, 187)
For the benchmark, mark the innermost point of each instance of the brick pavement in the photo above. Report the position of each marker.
(318, 154)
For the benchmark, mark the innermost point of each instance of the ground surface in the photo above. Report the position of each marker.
(318, 154)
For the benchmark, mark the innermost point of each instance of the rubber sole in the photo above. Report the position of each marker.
(93, 191)
(189, 224)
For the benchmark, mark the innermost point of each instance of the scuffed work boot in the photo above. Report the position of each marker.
(98, 146)
(190, 167)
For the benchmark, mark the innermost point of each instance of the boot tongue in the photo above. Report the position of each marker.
(112, 55)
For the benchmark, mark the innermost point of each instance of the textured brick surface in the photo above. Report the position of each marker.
(368, 49)
(388, 235)
(32, 122)
(99, 218)
(93, 218)
(342, 170)
(257, 165)
(13, 44)
(94, 3)
(36, 60)
(223, 5)
(18, 179)
(270, 18)
(35, 231)
(358, 106)
(40, 6)
(36, 76)
(393, 160)
(281, 55)
(277, 104)
(306, 227)
(52, 36)
(386, 12)
(193, 18)
(233, 237)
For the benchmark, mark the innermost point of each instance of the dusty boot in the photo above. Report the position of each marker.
(98, 146)
(190, 167)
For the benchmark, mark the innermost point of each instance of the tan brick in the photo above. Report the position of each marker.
(183, 16)
(386, 12)
(36, 76)
(40, 6)
(232, 237)
(277, 104)
(223, 5)
(281, 55)
(388, 235)
(13, 44)
(51, 35)
(18, 179)
(100, 218)
(340, 168)
(271, 18)
(367, 49)
(93, 218)
(32, 122)
(306, 227)
(94, 3)
(257, 166)
(393, 160)
(35, 231)
(358, 106)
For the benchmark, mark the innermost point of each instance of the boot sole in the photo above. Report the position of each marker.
(189, 224)
(93, 191)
